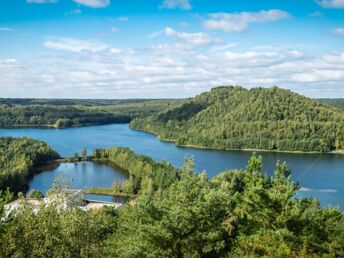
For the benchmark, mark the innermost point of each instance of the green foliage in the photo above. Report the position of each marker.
(36, 194)
(255, 164)
(5, 197)
(50, 232)
(18, 159)
(145, 175)
(260, 118)
(236, 214)
(337, 103)
(69, 113)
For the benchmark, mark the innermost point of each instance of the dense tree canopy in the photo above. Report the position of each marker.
(337, 103)
(260, 118)
(18, 159)
(236, 214)
(68, 113)
(239, 213)
(52, 232)
(145, 174)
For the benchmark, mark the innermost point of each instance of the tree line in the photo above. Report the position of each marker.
(337, 103)
(69, 113)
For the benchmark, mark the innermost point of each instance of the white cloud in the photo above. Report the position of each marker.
(335, 4)
(173, 4)
(155, 34)
(93, 3)
(74, 45)
(196, 39)
(339, 32)
(235, 22)
(89, 69)
(8, 62)
(114, 29)
(116, 50)
(305, 189)
(41, 1)
(175, 49)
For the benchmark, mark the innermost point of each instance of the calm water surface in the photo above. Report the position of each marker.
(79, 175)
(320, 175)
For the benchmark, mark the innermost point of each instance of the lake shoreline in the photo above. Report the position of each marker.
(317, 171)
(47, 127)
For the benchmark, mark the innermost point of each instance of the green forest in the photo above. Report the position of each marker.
(239, 213)
(19, 157)
(145, 174)
(68, 113)
(260, 118)
(337, 103)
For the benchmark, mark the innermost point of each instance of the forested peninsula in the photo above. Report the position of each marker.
(260, 118)
(19, 157)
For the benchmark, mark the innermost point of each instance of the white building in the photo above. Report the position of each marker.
(65, 200)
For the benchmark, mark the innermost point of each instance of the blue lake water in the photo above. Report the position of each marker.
(320, 175)
(81, 175)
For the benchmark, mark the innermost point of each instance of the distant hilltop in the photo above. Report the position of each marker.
(232, 117)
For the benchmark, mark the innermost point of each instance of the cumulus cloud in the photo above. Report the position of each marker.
(335, 4)
(41, 1)
(115, 50)
(236, 22)
(338, 32)
(8, 62)
(93, 3)
(173, 4)
(74, 45)
(88, 69)
(197, 39)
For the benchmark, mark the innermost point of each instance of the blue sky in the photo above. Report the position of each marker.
(169, 48)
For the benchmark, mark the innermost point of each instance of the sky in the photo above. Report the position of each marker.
(169, 48)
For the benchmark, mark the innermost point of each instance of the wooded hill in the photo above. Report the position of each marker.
(259, 118)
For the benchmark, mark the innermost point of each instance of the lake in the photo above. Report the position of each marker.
(320, 175)
(80, 175)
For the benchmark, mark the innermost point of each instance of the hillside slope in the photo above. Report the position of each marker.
(260, 118)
